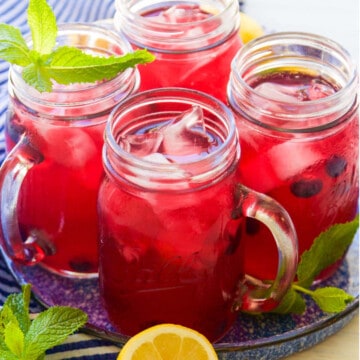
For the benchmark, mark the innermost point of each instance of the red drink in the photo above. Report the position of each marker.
(56, 140)
(193, 44)
(172, 215)
(58, 197)
(299, 138)
(163, 260)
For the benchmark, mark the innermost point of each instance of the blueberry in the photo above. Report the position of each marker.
(84, 266)
(252, 226)
(306, 188)
(335, 166)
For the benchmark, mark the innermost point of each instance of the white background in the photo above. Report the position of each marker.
(336, 19)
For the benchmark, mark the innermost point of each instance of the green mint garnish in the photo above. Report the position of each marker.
(24, 339)
(44, 63)
(327, 248)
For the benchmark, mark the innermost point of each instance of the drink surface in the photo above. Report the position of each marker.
(58, 195)
(205, 68)
(170, 256)
(177, 140)
(315, 177)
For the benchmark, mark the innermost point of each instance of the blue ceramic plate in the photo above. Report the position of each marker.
(263, 336)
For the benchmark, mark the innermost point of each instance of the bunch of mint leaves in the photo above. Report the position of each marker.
(63, 64)
(24, 339)
(329, 247)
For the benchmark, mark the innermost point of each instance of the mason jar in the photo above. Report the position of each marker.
(295, 100)
(50, 178)
(193, 43)
(172, 212)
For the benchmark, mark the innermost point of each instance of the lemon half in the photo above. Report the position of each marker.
(168, 342)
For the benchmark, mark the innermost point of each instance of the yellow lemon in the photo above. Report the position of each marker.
(249, 28)
(168, 342)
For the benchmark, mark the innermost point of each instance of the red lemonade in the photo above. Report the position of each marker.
(172, 216)
(163, 260)
(58, 196)
(316, 181)
(294, 96)
(55, 140)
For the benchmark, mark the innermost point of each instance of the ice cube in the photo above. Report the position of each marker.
(295, 92)
(286, 93)
(319, 90)
(292, 158)
(182, 13)
(186, 136)
(192, 16)
(142, 144)
(69, 146)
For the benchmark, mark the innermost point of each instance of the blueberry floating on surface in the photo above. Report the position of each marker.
(306, 188)
(335, 166)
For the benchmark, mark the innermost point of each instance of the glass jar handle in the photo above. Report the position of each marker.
(12, 174)
(255, 295)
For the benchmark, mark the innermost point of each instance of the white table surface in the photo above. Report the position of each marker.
(336, 19)
(343, 345)
(339, 21)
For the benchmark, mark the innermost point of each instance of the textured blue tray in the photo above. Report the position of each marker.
(266, 336)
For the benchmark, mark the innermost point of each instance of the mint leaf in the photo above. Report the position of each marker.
(331, 299)
(68, 65)
(13, 47)
(327, 248)
(6, 354)
(292, 302)
(18, 304)
(8, 321)
(21, 338)
(43, 64)
(42, 23)
(51, 328)
(6, 317)
(37, 77)
(14, 338)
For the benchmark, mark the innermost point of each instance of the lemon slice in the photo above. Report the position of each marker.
(168, 342)
(249, 28)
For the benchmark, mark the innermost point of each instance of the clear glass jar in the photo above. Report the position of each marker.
(172, 214)
(193, 43)
(51, 175)
(296, 106)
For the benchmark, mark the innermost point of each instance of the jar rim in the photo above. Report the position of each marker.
(222, 156)
(79, 29)
(255, 51)
(154, 35)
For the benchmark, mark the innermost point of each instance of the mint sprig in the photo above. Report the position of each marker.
(24, 339)
(45, 63)
(329, 247)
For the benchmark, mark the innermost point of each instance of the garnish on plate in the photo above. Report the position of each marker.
(45, 62)
(329, 247)
(24, 339)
